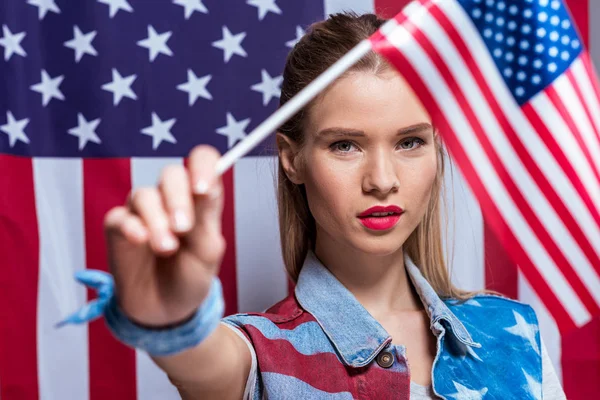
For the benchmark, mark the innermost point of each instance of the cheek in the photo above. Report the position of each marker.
(418, 183)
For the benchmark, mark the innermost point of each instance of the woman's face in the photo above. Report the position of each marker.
(369, 142)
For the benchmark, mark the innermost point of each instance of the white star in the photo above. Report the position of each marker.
(231, 44)
(156, 43)
(464, 393)
(269, 87)
(44, 6)
(525, 330)
(11, 43)
(85, 131)
(120, 87)
(48, 87)
(264, 6)
(160, 131)
(196, 87)
(473, 302)
(234, 130)
(82, 44)
(299, 34)
(534, 387)
(14, 129)
(191, 6)
(116, 5)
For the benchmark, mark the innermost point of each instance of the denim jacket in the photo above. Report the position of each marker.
(321, 343)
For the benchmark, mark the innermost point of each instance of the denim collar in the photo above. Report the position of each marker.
(356, 335)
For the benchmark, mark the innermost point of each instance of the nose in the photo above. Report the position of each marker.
(381, 174)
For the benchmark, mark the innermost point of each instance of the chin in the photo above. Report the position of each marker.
(379, 246)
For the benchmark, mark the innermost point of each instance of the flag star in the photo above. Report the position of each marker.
(191, 6)
(231, 44)
(156, 43)
(82, 44)
(85, 131)
(15, 129)
(160, 131)
(269, 87)
(116, 5)
(264, 6)
(120, 87)
(465, 393)
(44, 6)
(48, 87)
(196, 87)
(473, 302)
(525, 330)
(11, 43)
(299, 34)
(235, 130)
(533, 386)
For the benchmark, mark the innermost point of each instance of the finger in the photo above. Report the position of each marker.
(175, 189)
(147, 204)
(120, 221)
(202, 165)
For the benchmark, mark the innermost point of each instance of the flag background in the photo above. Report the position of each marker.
(51, 210)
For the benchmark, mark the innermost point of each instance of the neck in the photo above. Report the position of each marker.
(379, 282)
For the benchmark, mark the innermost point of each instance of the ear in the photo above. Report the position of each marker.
(290, 159)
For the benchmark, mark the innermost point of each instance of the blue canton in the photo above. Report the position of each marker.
(532, 41)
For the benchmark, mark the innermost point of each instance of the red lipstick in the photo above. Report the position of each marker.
(380, 218)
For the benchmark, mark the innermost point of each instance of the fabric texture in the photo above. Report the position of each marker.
(321, 343)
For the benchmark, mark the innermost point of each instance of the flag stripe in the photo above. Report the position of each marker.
(18, 281)
(577, 74)
(110, 360)
(63, 370)
(504, 161)
(151, 381)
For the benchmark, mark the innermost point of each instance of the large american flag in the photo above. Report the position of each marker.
(98, 95)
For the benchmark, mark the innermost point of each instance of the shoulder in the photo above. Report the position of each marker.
(284, 315)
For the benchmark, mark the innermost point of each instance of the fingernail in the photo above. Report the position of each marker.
(182, 222)
(201, 187)
(215, 193)
(168, 244)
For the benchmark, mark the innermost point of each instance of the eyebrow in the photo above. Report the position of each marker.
(408, 130)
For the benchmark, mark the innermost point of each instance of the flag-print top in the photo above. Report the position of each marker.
(321, 343)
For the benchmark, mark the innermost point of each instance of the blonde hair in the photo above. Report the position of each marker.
(324, 43)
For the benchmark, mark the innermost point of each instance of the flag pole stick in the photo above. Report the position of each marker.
(290, 108)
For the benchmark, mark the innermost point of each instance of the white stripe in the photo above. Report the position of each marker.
(63, 368)
(261, 276)
(538, 149)
(585, 85)
(402, 39)
(557, 127)
(358, 6)
(582, 122)
(464, 243)
(548, 328)
(151, 381)
(509, 159)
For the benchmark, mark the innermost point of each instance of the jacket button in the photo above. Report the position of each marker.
(385, 359)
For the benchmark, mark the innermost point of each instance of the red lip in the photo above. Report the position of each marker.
(380, 223)
(379, 209)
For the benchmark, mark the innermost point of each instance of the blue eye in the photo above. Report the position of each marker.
(411, 143)
(343, 146)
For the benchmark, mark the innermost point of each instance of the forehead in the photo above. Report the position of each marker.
(367, 101)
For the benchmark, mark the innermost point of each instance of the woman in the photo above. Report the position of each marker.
(374, 314)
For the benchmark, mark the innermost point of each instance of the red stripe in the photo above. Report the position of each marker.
(325, 372)
(227, 273)
(581, 349)
(588, 113)
(389, 8)
(555, 99)
(19, 242)
(536, 225)
(112, 364)
(494, 216)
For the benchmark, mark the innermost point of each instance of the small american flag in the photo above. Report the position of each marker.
(515, 97)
